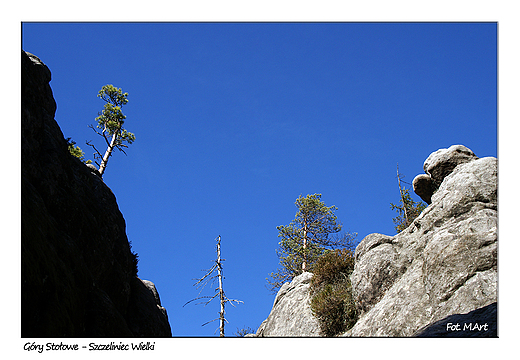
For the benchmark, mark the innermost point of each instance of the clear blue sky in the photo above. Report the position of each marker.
(234, 121)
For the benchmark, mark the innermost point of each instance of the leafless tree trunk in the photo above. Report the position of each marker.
(304, 263)
(220, 289)
(110, 148)
(202, 282)
(402, 197)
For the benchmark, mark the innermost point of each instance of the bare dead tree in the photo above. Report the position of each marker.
(219, 292)
(402, 194)
(407, 208)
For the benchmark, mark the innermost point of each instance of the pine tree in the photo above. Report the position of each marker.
(314, 229)
(110, 121)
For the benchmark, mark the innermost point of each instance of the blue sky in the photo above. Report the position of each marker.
(233, 121)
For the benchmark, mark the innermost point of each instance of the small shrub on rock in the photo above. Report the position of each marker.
(332, 302)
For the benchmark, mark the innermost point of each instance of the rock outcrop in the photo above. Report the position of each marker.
(442, 266)
(436, 278)
(437, 166)
(79, 275)
(291, 314)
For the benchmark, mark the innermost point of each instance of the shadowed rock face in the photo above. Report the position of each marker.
(477, 323)
(79, 275)
(424, 187)
(444, 264)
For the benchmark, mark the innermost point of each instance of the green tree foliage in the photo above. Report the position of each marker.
(76, 151)
(110, 124)
(332, 302)
(407, 209)
(314, 229)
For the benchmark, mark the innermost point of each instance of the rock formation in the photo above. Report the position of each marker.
(444, 264)
(424, 187)
(79, 275)
(439, 272)
(291, 314)
(437, 166)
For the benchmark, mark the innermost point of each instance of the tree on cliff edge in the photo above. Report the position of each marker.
(110, 121)
(306, 238)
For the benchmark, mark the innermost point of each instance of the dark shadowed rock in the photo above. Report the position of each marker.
(79, 275)
(423, 187)
(481, 322)
(147, 318)
(445, 263)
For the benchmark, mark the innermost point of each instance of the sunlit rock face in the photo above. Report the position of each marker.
(443, 264)
(291, 314)
(437, 166)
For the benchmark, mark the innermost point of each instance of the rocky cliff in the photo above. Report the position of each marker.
(441, 270)
(443, 265)
(79, 275)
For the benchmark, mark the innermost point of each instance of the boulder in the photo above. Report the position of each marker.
(146, 316)
(437, 166)
(444, 263)
(93, 169)
(291, 314)
(151, 286)
(443, 161)
(423, 186)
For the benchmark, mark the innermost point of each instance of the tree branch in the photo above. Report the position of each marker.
(102, 134)
(118, 148)
(211, 322)
(97, 151)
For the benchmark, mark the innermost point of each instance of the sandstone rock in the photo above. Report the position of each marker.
(79, 275)
(442, 162)
(437, 166)
(445, 263)
(423, 186)
(151, 286)
(146, 316)
(291, 314)
(375, 273)
(93, 169)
